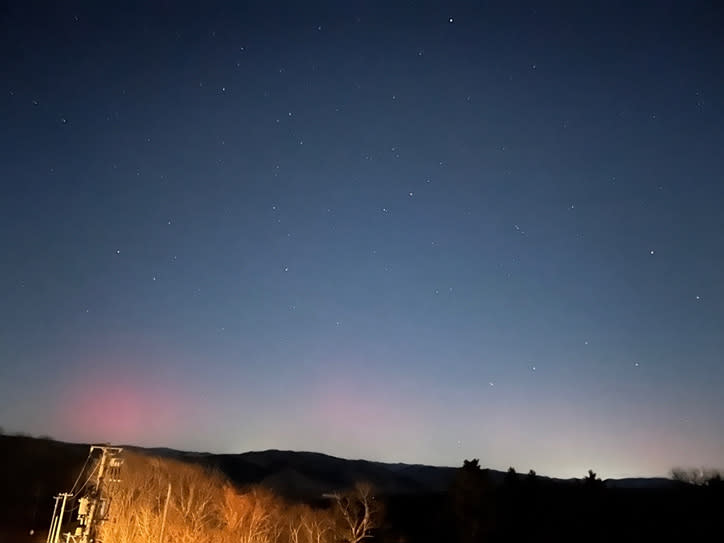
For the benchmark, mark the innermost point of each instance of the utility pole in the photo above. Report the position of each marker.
(53, 520)
(56, 522)
(93, 506)
(96, 502)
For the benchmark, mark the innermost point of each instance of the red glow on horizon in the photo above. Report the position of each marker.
(120, 406)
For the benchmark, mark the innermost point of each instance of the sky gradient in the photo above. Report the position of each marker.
(400, 231)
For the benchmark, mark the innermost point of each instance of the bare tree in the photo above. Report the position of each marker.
(294, 524)
(137, 503)
(251, 517)
(307, 525)
(202, 507)
(358, 513)
(134, 514)
(696, 476)
(194, 514)
(318, 526)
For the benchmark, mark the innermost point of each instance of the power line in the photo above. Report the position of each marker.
(94, 504)
(81, 472)
(89, 477)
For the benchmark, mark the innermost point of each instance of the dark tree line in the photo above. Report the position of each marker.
(524, 507)
(479, 506)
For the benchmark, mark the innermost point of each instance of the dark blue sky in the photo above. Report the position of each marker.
(394, 230)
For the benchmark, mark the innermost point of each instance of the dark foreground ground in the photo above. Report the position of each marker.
(422, 504)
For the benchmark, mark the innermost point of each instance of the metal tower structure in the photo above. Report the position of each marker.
(94, 504)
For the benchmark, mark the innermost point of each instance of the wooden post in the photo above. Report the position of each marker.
(165, 511)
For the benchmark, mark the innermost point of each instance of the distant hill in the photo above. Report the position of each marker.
(633, 482)
(415, 496)
(308, 475)
(296, 475)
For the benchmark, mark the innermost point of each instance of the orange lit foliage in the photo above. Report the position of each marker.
(252, 517)
(137, 503)
(205, 508)
(307, 525)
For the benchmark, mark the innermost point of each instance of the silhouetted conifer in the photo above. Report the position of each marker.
(511, 477)
(472, 502)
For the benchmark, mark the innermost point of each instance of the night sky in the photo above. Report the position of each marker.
(398, 231)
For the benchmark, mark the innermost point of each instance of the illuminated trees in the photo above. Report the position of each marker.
(168, 501)
(307, 525)
(193, 513)
(252, 517)
(317, 525)
(358, 513)
(134, 511)
(257, 516)
(138, 503)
